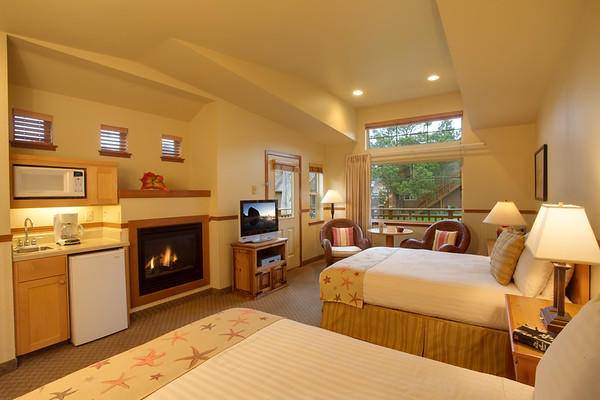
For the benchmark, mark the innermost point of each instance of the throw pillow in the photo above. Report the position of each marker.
(531, 275)
(343, 237)
(443, 237)
(505, 255)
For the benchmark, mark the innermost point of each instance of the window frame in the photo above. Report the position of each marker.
(316, 169)
(123, 133)
(177, 142)
(46, 144)
(412, 120)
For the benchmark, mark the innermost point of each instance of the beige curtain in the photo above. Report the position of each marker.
(358, 189)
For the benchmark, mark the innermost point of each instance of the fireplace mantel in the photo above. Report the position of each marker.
(145, 194)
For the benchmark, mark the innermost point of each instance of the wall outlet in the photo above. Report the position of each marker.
(254, 189)
(89, 215)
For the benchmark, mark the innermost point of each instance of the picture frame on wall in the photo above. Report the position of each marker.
(541, 173)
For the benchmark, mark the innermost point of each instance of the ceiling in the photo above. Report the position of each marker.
(385, 47)
(505, 53)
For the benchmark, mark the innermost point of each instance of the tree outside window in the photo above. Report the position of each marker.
(315, 192)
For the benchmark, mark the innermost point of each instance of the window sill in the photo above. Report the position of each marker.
(34, 145)
(172, 159)
(404, 223)
(109, 153)
(316, 222)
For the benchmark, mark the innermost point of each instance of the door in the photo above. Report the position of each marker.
(284, 185)
(42, 313)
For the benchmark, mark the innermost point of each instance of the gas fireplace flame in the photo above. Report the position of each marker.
(167, 258)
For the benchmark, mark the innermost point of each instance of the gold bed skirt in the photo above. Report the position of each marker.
(469, 346)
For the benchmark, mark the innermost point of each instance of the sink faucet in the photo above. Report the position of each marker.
(27, 230)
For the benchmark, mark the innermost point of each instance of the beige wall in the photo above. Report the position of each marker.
(569, 122)
(76, 127)
(503, 170)
(240, 139)
(7, 337)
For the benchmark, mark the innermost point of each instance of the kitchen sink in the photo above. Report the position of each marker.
(31, 249)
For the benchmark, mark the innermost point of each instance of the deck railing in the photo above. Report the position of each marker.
(415, 214)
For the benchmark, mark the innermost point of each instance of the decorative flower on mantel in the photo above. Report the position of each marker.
(151, 181)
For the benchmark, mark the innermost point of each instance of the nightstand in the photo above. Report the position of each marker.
(523, 310)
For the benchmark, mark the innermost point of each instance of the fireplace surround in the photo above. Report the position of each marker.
(168, 256)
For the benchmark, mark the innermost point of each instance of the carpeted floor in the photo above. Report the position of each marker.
(299, 301)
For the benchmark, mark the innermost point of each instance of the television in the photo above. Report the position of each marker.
(259, 220)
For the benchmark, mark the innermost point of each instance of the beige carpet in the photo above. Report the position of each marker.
(299, 301)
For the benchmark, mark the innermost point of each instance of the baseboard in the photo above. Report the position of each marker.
(225, 290)
(8, 366)
(313, 259)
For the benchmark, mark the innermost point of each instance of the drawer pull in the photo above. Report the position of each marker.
(62, 282)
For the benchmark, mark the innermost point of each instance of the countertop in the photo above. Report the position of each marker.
(86, 245)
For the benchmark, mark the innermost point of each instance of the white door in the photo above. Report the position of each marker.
(284, 185)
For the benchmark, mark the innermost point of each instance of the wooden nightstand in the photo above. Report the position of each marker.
(523, 310)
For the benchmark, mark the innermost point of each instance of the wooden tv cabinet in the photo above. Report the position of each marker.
(252, 279)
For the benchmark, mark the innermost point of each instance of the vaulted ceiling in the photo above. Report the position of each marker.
(297, 61)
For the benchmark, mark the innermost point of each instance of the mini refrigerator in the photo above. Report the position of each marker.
(97, 295)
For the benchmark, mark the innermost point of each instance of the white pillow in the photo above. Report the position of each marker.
(569, 368)
(531, 275)
(549, 289)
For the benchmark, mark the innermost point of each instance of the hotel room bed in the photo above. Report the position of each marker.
(443, 306)
(247, 354)
(272, 358)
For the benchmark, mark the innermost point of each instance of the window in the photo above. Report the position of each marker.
(33, 130)
(315, 192)
(113, 141)
(424, 130)
(418, 192)
(171, 148)
(284, 188)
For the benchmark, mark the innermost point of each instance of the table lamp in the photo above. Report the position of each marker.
(506, 214)
(561, 234)
(331, 197)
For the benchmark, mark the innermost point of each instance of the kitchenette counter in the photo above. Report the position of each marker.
(87, 245)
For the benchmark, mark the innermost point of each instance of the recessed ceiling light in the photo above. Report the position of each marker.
(357, 92)
(433, 77)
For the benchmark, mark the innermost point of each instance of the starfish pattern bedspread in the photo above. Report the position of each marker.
(138, 372)
(343, 282)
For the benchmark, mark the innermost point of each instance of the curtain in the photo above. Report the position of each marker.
(358, 189)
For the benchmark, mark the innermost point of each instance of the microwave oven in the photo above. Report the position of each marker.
(39, 182)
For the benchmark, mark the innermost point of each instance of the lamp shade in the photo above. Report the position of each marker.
(505, 213)
(563, 233)
(332, 196)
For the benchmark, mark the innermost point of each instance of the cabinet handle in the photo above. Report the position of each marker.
(62, 281)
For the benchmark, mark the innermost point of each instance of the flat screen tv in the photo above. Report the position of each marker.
(258, 220)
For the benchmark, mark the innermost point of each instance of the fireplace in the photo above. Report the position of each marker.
(168, 256)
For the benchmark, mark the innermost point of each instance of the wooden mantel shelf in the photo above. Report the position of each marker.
(142, 194)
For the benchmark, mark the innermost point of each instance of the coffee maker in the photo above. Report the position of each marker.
(67, 230)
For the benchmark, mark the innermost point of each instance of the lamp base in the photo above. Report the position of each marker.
(552, 321)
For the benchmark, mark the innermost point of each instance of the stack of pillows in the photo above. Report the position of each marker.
(512, 261)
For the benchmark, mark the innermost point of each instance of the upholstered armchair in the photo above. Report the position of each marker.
(463, 237)
(333, 253)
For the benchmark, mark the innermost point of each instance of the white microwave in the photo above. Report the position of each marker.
(36, 182)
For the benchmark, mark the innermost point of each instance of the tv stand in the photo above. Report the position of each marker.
(252, 279)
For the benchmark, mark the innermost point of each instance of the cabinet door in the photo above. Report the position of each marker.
(106, 185)
(264, 281)
(42, 313)
(278, 276)
(242, 263)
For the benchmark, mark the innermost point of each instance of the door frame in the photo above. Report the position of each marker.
(291, 157)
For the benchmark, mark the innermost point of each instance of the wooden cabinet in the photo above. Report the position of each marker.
(102, 185)
(101, 181)
(41, 303)
(523, 310)
(249, 277)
